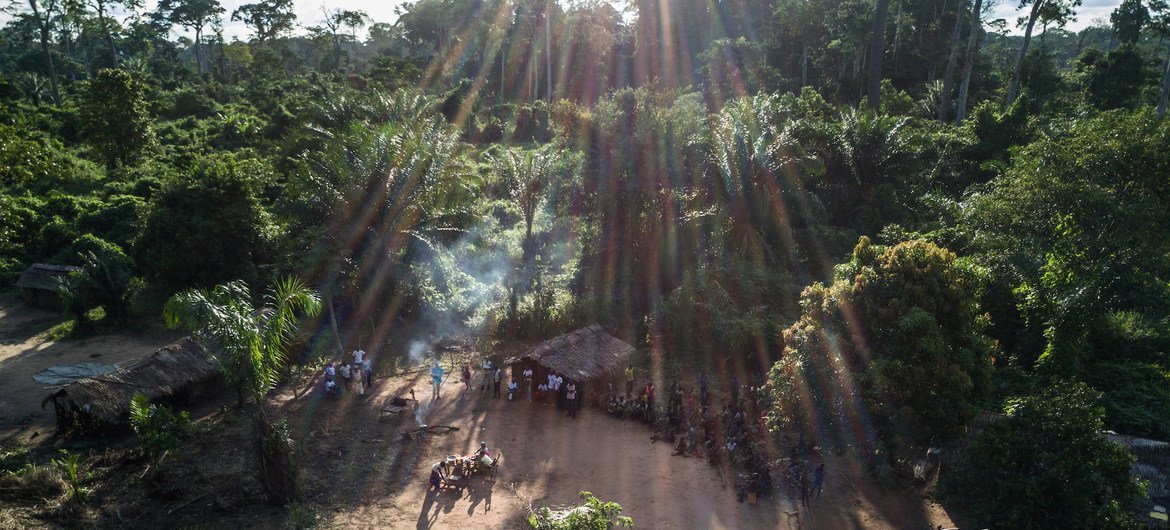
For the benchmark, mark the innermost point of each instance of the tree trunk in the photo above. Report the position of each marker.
(877, 48)
(101, 7)
(199, 51)
(804, 67)
(969, 60)
(548, 48)
(944, 105)
(1165, 87)
(1014, 87)
(46, 54)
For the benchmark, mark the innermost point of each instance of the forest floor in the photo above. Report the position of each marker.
(359, 472)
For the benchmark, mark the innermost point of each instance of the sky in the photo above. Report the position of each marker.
(309, 12)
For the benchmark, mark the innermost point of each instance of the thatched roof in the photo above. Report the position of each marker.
(43, 276)
(105, 399)
(585, 354)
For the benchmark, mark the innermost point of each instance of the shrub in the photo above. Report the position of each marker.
(593, 514)
(158, 427)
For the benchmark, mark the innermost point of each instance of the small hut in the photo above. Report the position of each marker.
(176, 373)
(39, 285)
(589, 356)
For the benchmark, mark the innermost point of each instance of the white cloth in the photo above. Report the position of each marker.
(552, 381)
(528, 374)
(330, 371)
(358, 355)
(560, 381)
(345, 371)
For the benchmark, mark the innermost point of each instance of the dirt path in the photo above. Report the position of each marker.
(25, 351)
(371, 478)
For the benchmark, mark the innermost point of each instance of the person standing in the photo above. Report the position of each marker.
(499, 378)
(558, 381)
(528, 381)
(488, 369)
(571, 398)
(436, 380)
(358, 387)
(466, 376)
(629, 380)
(704, 389)
(550, 383)
(368, 370)
(804, 489)
(346, 374)
(819, 479)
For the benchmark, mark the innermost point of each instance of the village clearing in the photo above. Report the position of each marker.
(359, 472)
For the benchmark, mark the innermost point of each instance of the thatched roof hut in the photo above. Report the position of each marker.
(174, 373)
(39, 285)
(583, 355)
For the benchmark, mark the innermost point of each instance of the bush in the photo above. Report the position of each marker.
(1046, 465)
(593, 514)
(158, 427)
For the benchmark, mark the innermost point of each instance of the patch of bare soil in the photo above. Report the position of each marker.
(360, 472)
(25, 351)
(371, 477)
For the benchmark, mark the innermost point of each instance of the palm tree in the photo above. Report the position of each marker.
(251, 344)
(527, 173)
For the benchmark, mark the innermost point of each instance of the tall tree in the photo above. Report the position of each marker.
(193, 15)
(44, 17)
(1160, 23)
(944, 105)
(969, 58)
(102, 7)
(1128, 20)
(115, 117)
(1054, 12)
(877, 51)
(251, 343)
(267, 19)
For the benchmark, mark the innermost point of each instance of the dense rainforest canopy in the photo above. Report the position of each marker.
(902, 212)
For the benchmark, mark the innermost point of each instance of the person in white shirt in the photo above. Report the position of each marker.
(345, 373)
(357, 356)
(528, 382)
(488, 368)
(512, 389)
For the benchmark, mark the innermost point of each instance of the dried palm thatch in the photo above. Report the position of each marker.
(171, 373)
(40, 285)
(583, 355)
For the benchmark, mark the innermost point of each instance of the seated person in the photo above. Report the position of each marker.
(482, 454)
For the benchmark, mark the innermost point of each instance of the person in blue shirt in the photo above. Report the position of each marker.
(436, 380)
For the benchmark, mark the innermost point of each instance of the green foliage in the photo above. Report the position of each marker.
(250, 342)
(105, 280)
(115, 118)
(206, 227)
(1047, 465)
(898, 332)
(593, 514)
(158, 427)
(70, 466)
(1113, 80)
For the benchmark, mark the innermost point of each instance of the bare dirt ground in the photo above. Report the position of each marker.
(359, 472)
(372, 478)
(25, 351)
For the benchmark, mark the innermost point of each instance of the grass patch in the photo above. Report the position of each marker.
(70, 330)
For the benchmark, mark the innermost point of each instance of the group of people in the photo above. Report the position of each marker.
(555, 387)
(356, 376)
